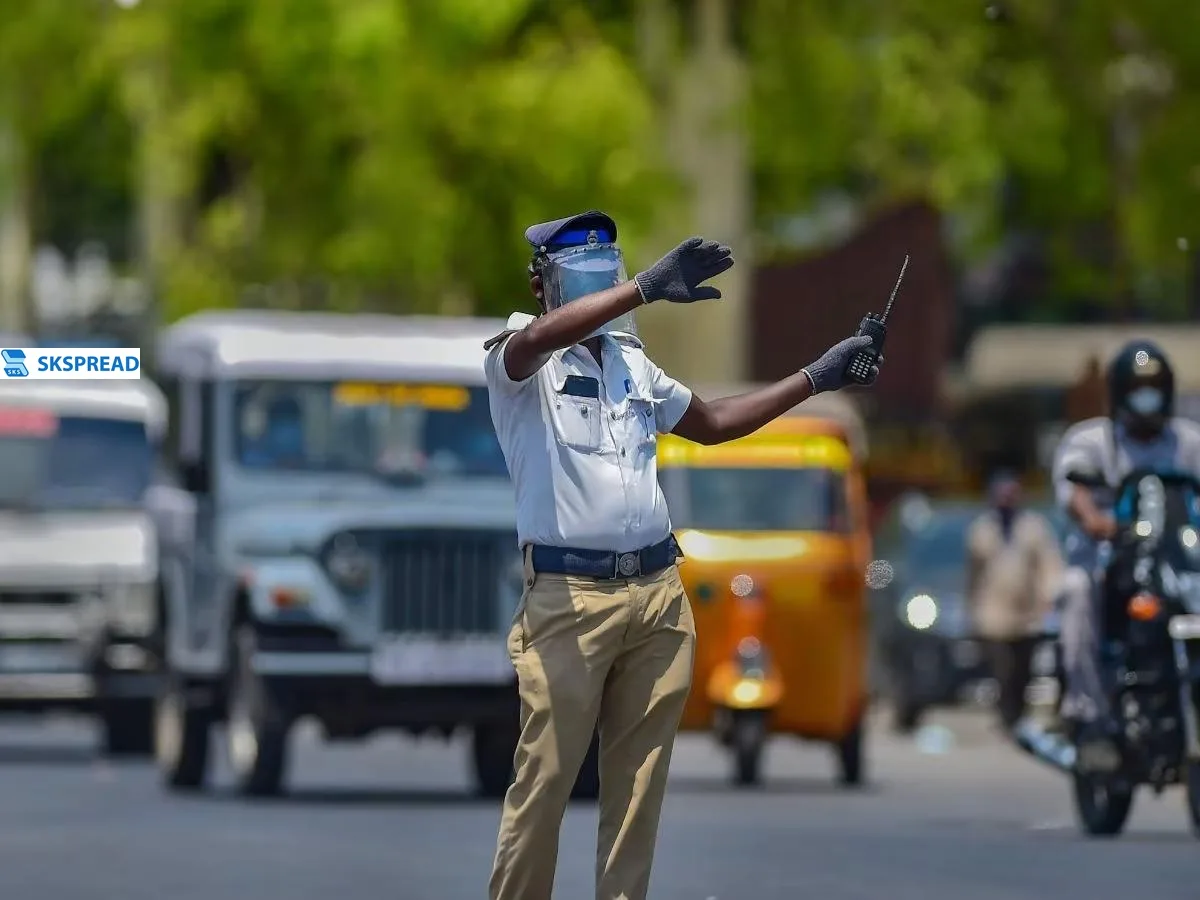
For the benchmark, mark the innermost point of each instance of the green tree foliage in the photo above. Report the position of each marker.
(72, 138)
(387, 154)
(1082, 107)
(384, 154)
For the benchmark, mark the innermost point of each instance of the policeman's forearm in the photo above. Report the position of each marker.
(528, 349)
(743, 414)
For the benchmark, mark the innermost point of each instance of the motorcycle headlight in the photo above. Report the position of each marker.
(920, 612)
(132, 608)
(348, 564)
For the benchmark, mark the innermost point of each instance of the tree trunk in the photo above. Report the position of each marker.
(162, 186)
(16, 239)
(707, 140)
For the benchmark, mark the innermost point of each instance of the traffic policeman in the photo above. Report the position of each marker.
(1091, 460)
(604, 634)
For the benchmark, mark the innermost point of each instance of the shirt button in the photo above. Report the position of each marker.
(614, 416)
(622, 451)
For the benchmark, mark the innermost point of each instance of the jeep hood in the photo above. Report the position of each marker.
(65, 549)
(304, 523)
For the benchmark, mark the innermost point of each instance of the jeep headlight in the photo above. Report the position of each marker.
(132, 609)
(348, 564)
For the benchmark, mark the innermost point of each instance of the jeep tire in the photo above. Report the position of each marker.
(128, 726)
(257, 722)
(493, 752)
(181, 736)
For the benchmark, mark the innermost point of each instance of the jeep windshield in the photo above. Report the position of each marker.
(48, 461)
(758, 499)
(394, 431)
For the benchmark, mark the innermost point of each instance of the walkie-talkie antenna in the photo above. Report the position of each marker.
(892, 299)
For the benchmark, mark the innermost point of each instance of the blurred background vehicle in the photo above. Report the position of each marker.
(928, 653)
(774, 529)
(340, 541)
(80, 599)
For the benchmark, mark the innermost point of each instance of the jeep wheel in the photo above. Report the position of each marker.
(257, 724)
(181, 737)
(128, 727)
(493, 752)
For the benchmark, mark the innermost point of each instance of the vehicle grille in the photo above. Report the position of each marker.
(37, 598)
(443, 581)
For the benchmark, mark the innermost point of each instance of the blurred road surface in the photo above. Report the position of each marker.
(964, 817)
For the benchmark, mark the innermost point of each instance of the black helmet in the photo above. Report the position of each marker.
(1141, 387)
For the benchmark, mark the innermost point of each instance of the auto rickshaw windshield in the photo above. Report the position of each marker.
(757, 499)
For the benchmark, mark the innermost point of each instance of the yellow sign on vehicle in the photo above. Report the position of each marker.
(445, 397)
(758, 450)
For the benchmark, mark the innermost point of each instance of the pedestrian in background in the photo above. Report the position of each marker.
(604, 634)
(1014, 566)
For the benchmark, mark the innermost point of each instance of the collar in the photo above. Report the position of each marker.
(519, 320)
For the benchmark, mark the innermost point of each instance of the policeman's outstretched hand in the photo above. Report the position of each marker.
(829, 372)
(677, 276)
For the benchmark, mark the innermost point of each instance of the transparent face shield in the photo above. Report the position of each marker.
(576, 272)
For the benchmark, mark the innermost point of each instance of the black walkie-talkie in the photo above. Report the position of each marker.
(874, 327)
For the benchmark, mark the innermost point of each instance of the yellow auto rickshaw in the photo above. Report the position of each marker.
(774, 531)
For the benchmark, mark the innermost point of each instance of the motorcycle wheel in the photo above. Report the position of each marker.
(1192, 794)
(1102, 804)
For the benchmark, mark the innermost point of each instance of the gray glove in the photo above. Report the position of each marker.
(829, 372)
(677, 276)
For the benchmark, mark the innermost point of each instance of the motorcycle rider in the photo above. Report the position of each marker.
(1140, 431)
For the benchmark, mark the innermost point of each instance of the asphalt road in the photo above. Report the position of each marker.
(962, 816)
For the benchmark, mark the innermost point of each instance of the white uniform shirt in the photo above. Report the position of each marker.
(1101, 447)
(585, 467)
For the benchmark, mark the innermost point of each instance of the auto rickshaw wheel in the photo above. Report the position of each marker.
(1192, 795)
(850, 757)
(749, 737)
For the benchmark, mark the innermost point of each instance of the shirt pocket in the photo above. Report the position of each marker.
(642, 425)
(577, 421)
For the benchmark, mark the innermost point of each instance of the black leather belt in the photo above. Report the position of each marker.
(604, 564)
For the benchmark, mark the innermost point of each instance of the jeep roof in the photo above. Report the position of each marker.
(325, 346)
(135, 400)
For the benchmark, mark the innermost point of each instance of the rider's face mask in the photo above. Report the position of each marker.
(1145, 401)
(576, 272)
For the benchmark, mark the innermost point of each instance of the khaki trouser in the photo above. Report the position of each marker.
(618, 653)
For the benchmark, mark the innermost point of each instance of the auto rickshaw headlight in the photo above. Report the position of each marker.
(747, 691)
(920, 612)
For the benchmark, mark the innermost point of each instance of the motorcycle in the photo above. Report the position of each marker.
(1150, 659)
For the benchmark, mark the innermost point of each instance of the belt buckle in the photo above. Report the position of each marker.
(629, 564)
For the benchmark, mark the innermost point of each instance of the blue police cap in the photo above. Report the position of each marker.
(572, 231)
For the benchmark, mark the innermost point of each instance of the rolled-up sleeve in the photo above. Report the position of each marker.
(1076, 453)
(497, 375)
(671, 398)
(1189, 445)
